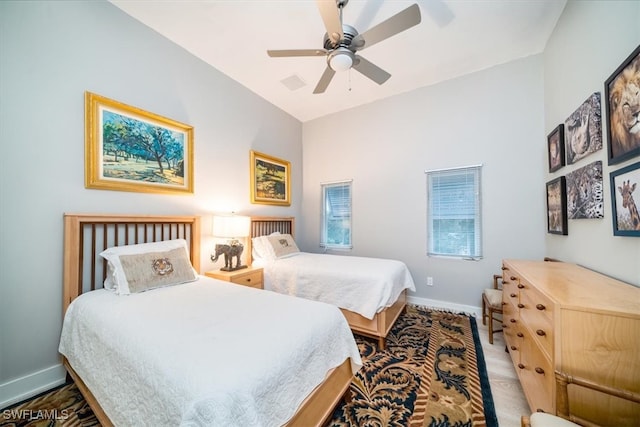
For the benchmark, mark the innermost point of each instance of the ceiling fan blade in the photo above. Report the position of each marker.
(330, 13)
(324, 80)
(296, 52)
(392, 26)
(439, 12)
(370, 70)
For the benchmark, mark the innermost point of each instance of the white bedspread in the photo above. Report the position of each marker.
(203, 353)
(362, 285)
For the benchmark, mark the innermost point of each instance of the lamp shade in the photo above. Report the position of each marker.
(231, 226)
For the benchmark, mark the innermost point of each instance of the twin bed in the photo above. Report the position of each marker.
(370, 292)
(201, 352)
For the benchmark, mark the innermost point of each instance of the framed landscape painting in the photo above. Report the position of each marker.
(557, 206)
(625, 183)
(623, 109)
(270, 180)
(129, 149)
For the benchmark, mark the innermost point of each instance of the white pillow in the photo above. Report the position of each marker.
(261, 248)
(282, 245)
(117, 274)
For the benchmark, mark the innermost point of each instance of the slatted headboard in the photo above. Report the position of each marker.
(85, 236)
(265, 225)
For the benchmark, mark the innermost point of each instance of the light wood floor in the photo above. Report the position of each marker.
(508, 397)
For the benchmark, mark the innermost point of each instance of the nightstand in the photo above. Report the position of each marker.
(250, 276)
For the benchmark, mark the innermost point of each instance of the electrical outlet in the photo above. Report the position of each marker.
(429, 281)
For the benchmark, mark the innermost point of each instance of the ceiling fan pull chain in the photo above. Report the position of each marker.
(349, 79)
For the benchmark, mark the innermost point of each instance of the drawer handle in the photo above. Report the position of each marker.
(513, 295)
(520, 365)
(513, 277)
(541, 333)
(520, 286)
(504, 303)
(520, 305)
(540, 307)
(540, 410)
(512, 320)
(504, 268)
(505, 326)
(249, 279)
(520, 334)
(540, 370)
(514, 348)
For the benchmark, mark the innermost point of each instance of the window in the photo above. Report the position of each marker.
(336, 215)
(454, 221)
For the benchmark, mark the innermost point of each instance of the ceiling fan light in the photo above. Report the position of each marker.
(341, 62)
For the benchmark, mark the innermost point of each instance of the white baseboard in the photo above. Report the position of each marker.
(458, 308)
(30, 385)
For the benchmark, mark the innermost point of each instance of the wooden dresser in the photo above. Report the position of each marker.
(565, 317)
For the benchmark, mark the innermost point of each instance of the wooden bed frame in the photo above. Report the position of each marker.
(378, 327)
(85, 236)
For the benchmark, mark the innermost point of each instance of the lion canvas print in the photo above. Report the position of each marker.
(622, 94)
(583, 130)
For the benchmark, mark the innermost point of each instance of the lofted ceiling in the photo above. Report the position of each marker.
(454, 37)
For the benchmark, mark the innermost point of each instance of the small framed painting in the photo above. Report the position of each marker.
(555, 142)
(624, 182)
(270, 180)
(557, 206)
(129, 149)
(623, 109)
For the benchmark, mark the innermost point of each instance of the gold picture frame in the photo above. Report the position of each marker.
(270, 180)
(129, 149)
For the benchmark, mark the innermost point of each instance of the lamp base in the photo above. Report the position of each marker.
(240, 267)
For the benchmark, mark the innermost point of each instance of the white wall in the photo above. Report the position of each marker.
(51, 52)
(493, 117)
(590, 41)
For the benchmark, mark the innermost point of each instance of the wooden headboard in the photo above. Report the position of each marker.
(265, 225)
(85, 236)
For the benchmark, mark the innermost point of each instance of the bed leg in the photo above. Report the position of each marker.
(382, 343)
(347, 396)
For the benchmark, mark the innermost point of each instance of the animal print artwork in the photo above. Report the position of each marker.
(583, 130)
(623, 108)
(625, 185)
(584, 192)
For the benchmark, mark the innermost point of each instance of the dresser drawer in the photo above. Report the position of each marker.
(538, 323)
(537, 376)
(252, 279)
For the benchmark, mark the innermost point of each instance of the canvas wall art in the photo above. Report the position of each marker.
(270, 180)
(129, 149)
(557, 206)
(584, 192)
(583, 130)
(622, 95)
(625, 199)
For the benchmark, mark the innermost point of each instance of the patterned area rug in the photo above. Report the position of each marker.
(431, 374)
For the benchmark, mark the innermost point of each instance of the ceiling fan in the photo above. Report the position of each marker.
(343, 42)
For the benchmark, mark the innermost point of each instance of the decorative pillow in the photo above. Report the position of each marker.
(117, 279)
(283, 245)
(156, 269)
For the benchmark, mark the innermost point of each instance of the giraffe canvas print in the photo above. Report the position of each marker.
(625, 199)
